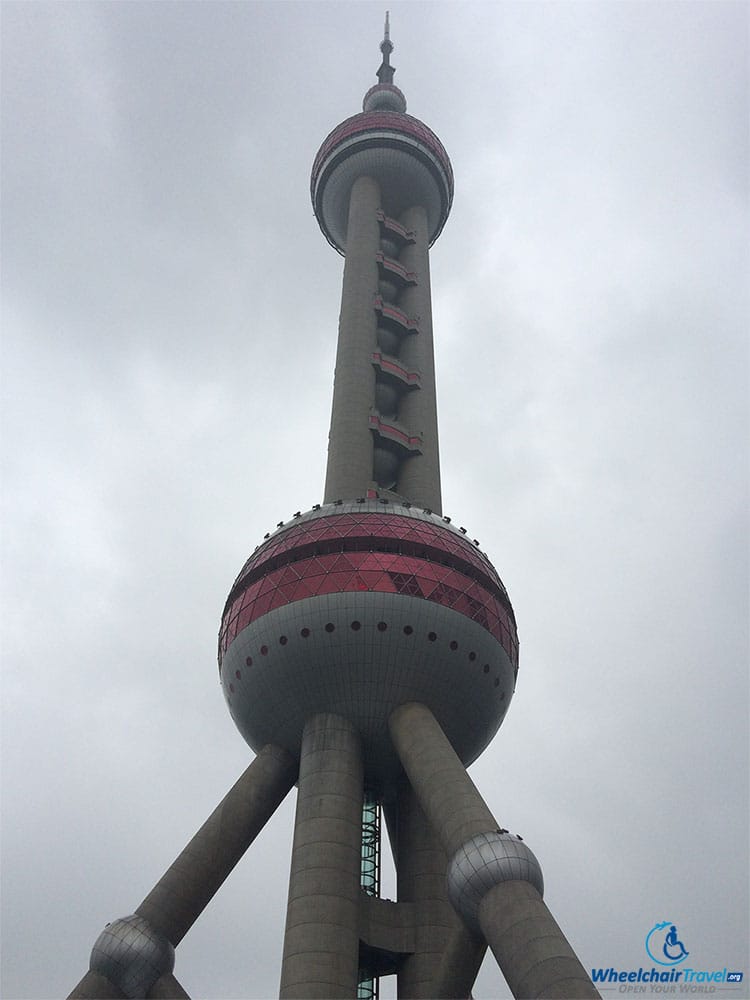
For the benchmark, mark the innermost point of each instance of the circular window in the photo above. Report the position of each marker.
(382, 626)
(454, 645)
(249, 661)
(264, 650)
(282, 640)
(431, 636)
(305, 633)
(330, 627)
(408, 630)
(356, 626)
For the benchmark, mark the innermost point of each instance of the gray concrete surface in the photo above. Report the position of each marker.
(419, 476)
(531, 949)
(321, 942)
(421, 864)
(350, 446)
(181, 894)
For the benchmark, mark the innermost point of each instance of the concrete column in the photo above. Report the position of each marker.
(94, 986)
(420, 865)
(449, 798)
(530, 948)
(419, 476)
(458, 966)
(350, 444)
(181, 894)
(167, 987)
(321, 943)
(533, 953)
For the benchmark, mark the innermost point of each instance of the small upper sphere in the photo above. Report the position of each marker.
(384, 97)
(357, 608)
(400, 152)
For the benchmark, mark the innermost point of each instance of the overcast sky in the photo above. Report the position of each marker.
(170, 311)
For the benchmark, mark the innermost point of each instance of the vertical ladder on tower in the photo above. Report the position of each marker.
(367, 988)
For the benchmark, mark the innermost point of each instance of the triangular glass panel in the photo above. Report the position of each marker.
(341, 563)
(428, 586)
(327, 585)
(288, 575)
(261, 605)
(341, 580)
(276, 599)
(301, 590)
(288, 590)
(266, 584)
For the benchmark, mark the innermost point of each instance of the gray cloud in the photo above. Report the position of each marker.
(170, 316)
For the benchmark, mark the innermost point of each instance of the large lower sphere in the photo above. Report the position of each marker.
(356, 609)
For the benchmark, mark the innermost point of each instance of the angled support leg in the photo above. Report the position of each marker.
(494, 880)
(134, 953)
(181, 894)
(167, 987)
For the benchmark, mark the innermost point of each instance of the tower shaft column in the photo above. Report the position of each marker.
(321, 943)
(421, 864)
(350, 447)
(419, 477)
(531, 950)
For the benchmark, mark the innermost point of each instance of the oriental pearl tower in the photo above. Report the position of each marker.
(368, 653)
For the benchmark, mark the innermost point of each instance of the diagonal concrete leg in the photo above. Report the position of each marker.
(494, 878)
(180, 895)
(167, 987)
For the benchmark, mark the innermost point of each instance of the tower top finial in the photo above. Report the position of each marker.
(386, 71)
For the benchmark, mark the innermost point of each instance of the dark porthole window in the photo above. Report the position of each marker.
(264, 650)
(231, 688)
(486, 668)
(249, 661)
(238, 675)
(282, 640)
(431, 636)
(356, 626)
(330, 627)
(454, 645)
(408, 630)
(382, 626)
(305, 633)
(472, 656)
(497, 682)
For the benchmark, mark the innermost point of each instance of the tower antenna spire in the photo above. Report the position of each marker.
(386, 71)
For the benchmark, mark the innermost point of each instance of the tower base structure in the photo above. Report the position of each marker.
(466, 882)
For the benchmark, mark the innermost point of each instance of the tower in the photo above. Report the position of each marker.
(368, 653)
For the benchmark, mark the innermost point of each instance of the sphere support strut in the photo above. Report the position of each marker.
(531, 950)
(181, 894)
